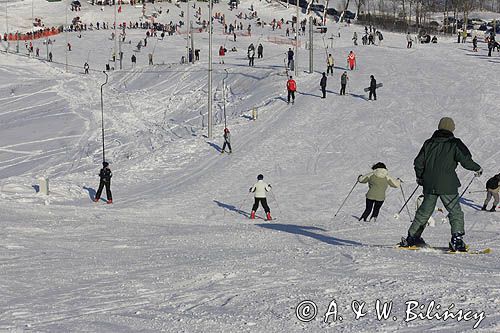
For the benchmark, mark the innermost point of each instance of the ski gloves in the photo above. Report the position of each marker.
(478, 173)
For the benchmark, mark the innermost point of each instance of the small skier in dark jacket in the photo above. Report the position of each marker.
(322, 84)
(373, 88)
(227, 141)
(260, 51)
(105, 174)
(492, 189)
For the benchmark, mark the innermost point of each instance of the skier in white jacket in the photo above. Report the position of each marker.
(260, 188)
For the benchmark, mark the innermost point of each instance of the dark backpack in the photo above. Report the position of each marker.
(492, 183)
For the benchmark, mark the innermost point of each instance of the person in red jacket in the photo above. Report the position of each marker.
(351, 60)
(291, 86)
(222, 53)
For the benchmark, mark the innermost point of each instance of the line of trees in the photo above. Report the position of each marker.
(416, 14)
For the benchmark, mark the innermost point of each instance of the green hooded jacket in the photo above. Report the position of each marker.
(437, 160)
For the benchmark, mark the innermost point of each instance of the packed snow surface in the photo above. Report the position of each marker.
(176, 251)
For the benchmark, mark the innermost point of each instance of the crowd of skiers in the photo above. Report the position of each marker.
(434, 165)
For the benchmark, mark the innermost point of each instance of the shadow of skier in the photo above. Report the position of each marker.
(307, 231)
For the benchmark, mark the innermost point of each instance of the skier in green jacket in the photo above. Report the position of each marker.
(435, 167)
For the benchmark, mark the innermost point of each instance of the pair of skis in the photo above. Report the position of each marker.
(439, 249)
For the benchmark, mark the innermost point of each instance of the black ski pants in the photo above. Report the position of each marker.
(226, 144)
(373, 94)
(342, 89)
(263, 201)
(371, 204)
(329, 69)
(323, 90)
(103, 183)
(292, 95)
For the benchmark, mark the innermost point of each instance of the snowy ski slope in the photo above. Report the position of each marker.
(176, 251)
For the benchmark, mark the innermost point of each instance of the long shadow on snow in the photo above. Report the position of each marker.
(308, 94)
(215, 146)
(359, 96)
(306, 231)
(91, 191)
(231, 208)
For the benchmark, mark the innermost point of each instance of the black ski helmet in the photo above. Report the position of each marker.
(105, 164)
(260, 177)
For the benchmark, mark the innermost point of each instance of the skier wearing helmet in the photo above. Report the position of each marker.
(260, 188)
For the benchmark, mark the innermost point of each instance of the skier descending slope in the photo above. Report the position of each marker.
(105, 174)
(227, 141)
(291, 87)
(378, 180)
(260, 188)
(351, 60)
(492, 189)
(435, 167)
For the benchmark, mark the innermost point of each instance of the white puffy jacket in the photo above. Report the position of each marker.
(260, 188)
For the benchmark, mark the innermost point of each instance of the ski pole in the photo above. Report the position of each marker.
(396, 216)
(343, 202)
(477, 191)
(242, 202)
(461, 195)
(404, 199)
(277, 205)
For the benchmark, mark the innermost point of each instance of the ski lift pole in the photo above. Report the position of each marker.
(102, 117)
(224, 95)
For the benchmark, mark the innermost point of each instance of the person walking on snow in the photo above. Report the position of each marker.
(355, 38)
(86, 67)
(373, 88)
(409, 40)
(351, 60)
(322, 84)
(290, 59)
(105, 181)
(260, 188)
(343, 83)
(329, 63)
(435, 167)
(227, 141)
(222, 53)
(251, 55)
(260, 51)
(492, 189)
(474, 44)
(378, 180)
(291, 87)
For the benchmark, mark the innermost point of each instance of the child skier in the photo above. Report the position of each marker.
(378, 180)
(105, 174)
(492, 189)
(227, 141)
(351, 60)
(260, 188)
(291, 87)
